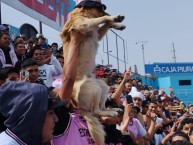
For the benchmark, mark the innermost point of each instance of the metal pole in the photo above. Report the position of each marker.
(143, 55)
(40, 24)
(117, 54)
(0, 14)
(107, 50)
(142, 46)
(124, 53)
(174, 53)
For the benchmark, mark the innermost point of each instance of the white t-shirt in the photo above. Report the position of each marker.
(159, 120)
(7, 140)
(48, 72)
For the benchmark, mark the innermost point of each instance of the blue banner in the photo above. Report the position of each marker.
(13, 32)
(165, 68)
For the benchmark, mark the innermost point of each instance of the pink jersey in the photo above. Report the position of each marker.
(75, 134)
(134, 128)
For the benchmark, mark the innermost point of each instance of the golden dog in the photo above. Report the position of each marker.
(90, 94)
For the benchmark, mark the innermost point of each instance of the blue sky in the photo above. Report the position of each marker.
(160, 22)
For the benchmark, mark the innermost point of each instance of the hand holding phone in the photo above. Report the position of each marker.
(25, 73)
(24, 76)
(129, 99)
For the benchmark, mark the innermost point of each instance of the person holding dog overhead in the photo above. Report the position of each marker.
(73, 128)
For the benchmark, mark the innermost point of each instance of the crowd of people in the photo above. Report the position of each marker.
(35, 93)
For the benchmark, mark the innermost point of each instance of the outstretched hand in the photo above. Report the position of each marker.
(128, 74)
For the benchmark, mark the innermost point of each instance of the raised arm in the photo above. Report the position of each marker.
(116, 95)
(70, 66)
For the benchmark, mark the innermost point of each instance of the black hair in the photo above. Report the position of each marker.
(17, 42)
(182, 134)
(191, 131)
(4, 72)
(153, 102)
(18, 64)
(59, 56)
(32, 51)
(186, 121)
(180, 142)
(144, 103)
(110, 102)
(28, 62)
(2, 75)
(54, 44)
(3, 33)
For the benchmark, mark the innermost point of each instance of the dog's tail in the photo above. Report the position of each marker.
(95, 128)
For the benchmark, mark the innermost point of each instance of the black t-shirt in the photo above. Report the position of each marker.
(7, 56)
(114, 136)
(2, 126)
(63, 120)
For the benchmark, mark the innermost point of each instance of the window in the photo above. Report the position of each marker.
(185, 82)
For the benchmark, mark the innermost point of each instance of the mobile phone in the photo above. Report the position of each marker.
(129, 99)
(25, 73)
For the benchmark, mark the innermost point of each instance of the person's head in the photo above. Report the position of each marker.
(179, 135)
(40, 39)
(183, 106)
(18, 39)
(153, 106)
(165, 100)
(28, 109)
(36, 54)
(138, 97)
(9, 74)
(4, 40)
(146, 93)
(186, 124)
(60, 59)
(54, 47)
(190, 134)
(20, 48)
(159, 104)
(128, 86)
(7, 27)
(4, 28)
(31, 66)
(190, 109)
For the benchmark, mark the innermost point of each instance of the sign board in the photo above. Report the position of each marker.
(53, 13)
(166, 68)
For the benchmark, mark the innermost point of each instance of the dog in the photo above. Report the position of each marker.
(90, 94)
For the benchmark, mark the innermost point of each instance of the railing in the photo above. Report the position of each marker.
(115, 49)
(185, 95)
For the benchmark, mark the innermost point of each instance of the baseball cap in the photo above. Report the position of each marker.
(90, 3)
(2, 27)
(56, 104)
(44, 46)
(55, 101)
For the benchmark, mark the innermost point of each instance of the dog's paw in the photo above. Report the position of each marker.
(119, 18)
(121, 27)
